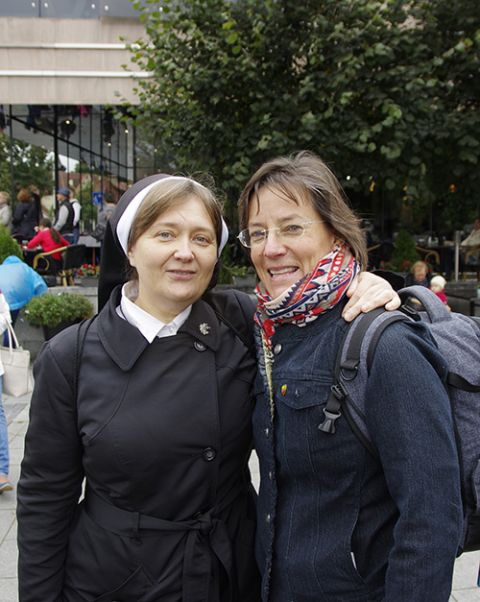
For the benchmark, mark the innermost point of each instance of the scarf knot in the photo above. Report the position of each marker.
(311, 296)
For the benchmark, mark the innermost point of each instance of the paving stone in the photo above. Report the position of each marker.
(9, 590)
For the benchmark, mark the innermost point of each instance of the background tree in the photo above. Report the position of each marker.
(386, 91)
(30, 164)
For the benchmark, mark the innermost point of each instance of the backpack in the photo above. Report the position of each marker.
(458, 339)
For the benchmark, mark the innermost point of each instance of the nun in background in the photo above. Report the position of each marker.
(150, 402)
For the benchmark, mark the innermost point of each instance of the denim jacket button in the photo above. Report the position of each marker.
(267, 432)
(277, 349)
(270, 475)
(268, 518)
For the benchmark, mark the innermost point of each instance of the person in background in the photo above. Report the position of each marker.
(77, 212)
(437, 285)
(471, 244)
(65, 214)
(335, 522)
(473, 239)
(5, 484)
(48, 239)
(19, 283)
(25, 216)
(5, 210)
(419, 274)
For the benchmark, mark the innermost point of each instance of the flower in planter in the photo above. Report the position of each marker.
(87, 269)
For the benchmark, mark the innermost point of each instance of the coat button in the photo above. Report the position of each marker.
(270, 475)
(199, 346)
(277, 349)
(209, 454)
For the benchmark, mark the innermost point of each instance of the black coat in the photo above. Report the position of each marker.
(161, 432)
(25, 218)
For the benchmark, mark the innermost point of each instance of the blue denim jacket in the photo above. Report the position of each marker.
(334, 524)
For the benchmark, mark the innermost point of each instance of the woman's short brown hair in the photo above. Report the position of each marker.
(305, 175)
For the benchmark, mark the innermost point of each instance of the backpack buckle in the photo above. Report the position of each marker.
(338, 391)
(328, 425)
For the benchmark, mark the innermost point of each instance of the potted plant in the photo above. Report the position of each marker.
(88, 274)
(54, 312)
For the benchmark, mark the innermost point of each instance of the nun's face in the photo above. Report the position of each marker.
(174, 259)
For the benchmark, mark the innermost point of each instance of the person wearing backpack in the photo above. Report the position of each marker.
(334, 521)
(150, 402)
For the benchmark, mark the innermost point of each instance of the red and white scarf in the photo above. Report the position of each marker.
(311, 296)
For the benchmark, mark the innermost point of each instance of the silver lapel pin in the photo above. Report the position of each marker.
(204, 328)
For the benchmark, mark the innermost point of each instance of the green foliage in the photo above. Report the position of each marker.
(404, 252)
(8, 245)
(229, 268)
(29, 164)
(51, 310)
(386, 91)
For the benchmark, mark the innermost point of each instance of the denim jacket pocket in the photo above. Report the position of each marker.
(299, 394)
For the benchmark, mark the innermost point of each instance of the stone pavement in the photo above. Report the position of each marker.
(466, 567)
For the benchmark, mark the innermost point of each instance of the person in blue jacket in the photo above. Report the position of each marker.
(335, 523)
(19, 283)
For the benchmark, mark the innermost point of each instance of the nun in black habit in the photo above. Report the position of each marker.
(150, 404)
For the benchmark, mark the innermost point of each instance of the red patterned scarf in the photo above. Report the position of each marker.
(311, 296)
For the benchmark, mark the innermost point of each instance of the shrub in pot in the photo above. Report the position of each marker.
(54, 312)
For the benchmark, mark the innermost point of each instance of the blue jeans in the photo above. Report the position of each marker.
(4, 455)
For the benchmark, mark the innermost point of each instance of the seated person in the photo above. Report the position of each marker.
(437, 285)
(419, 274)
(471, 244)
(49, 239)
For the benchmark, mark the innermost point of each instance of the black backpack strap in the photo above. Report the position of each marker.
(242, 328)
(458, 382)
(347, 369)
(79, 345)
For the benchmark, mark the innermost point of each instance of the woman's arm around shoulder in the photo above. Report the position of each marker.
(51, 475)
(409, 419)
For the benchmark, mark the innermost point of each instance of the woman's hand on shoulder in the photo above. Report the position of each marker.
(368, 292)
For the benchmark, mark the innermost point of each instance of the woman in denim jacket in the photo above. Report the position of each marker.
(334, 523)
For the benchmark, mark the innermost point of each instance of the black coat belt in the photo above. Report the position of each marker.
(206, 534)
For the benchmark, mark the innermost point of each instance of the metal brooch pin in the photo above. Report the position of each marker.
(204, 328)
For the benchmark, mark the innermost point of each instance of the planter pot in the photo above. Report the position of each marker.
(89, 281)
(51, 331)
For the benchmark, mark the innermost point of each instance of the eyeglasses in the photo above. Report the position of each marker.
(251, 237)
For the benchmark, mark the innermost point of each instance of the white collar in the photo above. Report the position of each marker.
(147, 324)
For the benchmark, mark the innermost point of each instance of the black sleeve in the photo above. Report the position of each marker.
(50, 481)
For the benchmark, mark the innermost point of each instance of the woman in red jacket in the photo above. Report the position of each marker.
(49, 239)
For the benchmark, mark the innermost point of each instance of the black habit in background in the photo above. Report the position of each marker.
(113, 263)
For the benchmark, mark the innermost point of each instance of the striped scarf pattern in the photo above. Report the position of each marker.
(311, 296)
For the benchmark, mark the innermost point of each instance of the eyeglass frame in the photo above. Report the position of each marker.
(267, 231)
